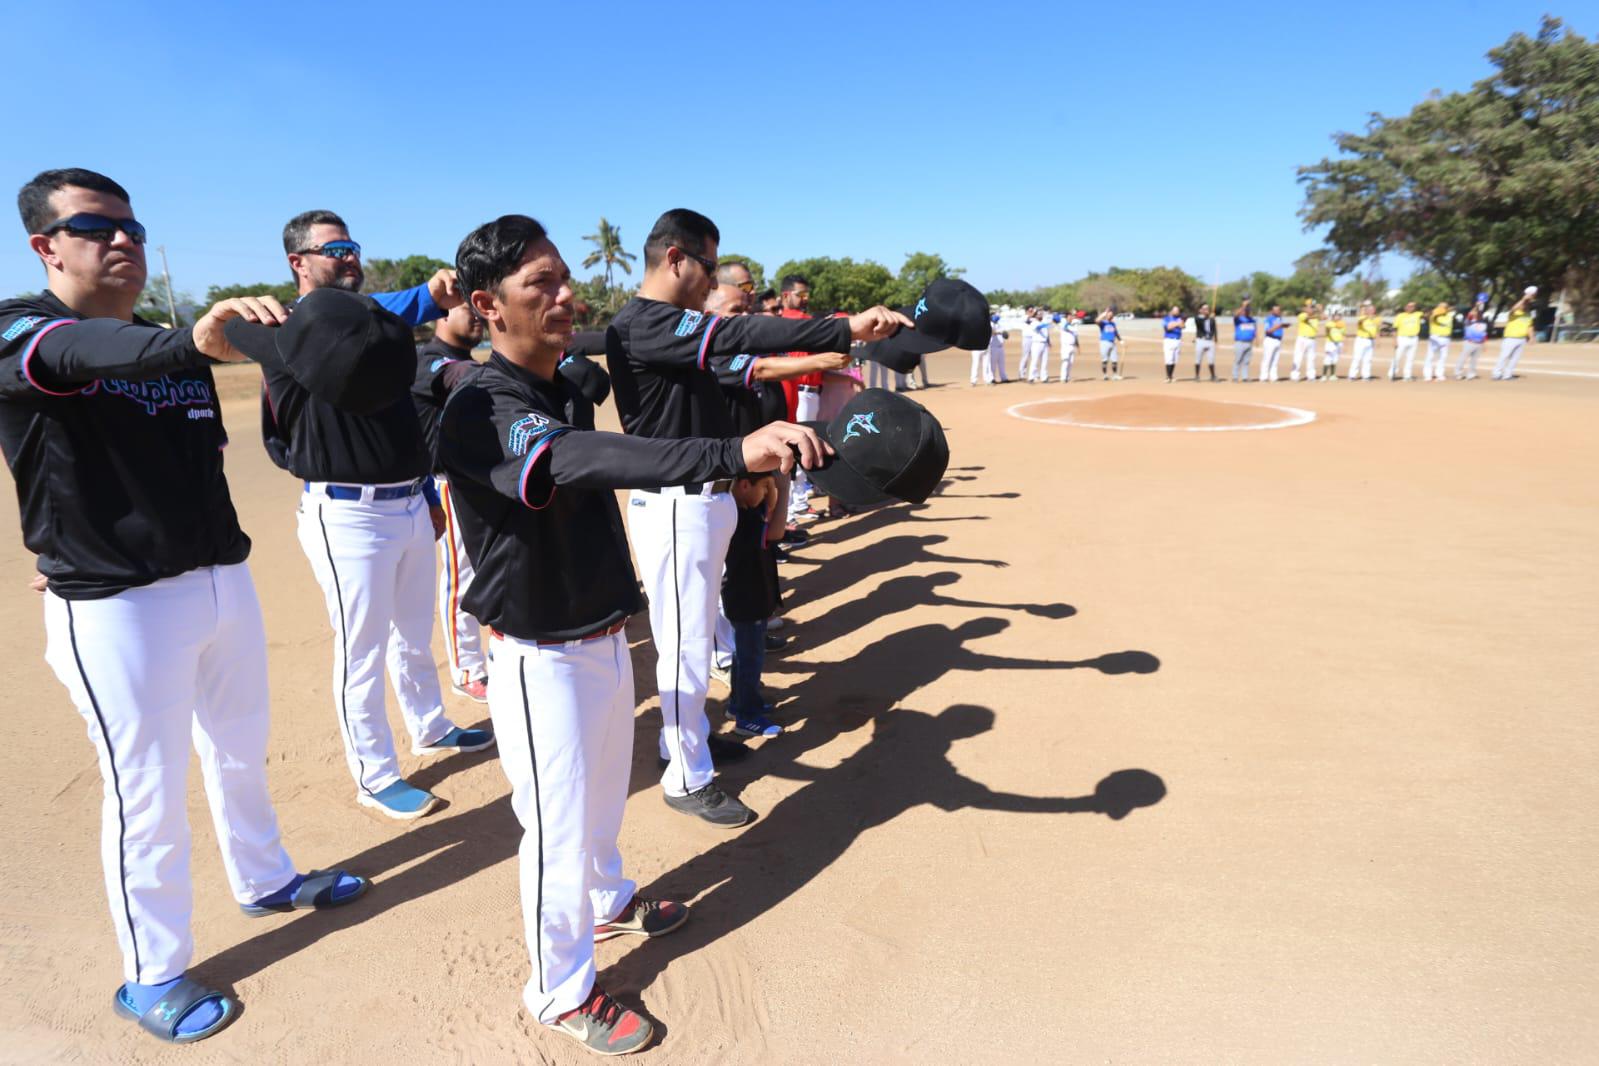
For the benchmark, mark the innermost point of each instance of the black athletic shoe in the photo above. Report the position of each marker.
(775, 641)
(712, 805)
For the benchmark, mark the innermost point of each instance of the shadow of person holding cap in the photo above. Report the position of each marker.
(904, 765)
(881, 518)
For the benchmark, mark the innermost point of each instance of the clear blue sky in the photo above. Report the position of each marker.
(1028, 143)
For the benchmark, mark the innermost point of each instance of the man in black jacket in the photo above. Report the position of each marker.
(534, 487)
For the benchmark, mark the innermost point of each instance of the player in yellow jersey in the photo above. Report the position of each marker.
(1307, 324)
(1407, 328)
(1440, 324)
(1367, 326)
(1333, 348)
(1518, 334)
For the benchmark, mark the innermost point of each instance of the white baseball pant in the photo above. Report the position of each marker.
(681, 543)
(876, 375)
(1468, 359)
(996, 358)
(1360, 365)
(374, 561)
(563, 719)
(1436, 359)
(1108, 353)
(1404, 351)
(1068, 356)
(1271, 351)
(1509, 355)
(1169, 349)
(1304, 355)
(1024, 369)
(1040, 360)
(1204, 352)
(1331, 352)
(463, 634)
(152, 670)
(981, 369)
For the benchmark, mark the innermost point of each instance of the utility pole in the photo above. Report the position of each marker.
(1215, 290)
(172, 307)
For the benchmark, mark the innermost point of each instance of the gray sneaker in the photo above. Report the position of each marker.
(713, 805)
(604, 1026)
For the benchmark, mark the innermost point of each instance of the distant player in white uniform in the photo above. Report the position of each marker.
(996, 353)
(1024, 370)
(1041, 347)
(1476, 336)
(1068, 345)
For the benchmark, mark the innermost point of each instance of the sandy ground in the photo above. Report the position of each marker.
(1243, 747)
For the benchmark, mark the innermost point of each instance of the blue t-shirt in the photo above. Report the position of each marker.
(1173, 324)
(1107, 331)
(1243, 328)
(1476, 332)
(1274, 326)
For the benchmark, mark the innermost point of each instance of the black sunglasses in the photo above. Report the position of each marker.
(97, 228)
(708, 264)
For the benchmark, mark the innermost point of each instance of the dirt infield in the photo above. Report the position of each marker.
(1154, 747)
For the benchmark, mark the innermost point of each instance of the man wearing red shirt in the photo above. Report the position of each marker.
(804, 394)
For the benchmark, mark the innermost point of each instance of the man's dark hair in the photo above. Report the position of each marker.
(33, 200)
(298, 229)
(490, 253)
(679, 228)
(766, 294)
(791, 280)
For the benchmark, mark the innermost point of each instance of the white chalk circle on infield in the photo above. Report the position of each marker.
(1144, 413)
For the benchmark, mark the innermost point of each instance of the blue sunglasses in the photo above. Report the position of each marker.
(97, 228)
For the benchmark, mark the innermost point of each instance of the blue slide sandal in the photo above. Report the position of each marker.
(317, 890)
(167, 1013)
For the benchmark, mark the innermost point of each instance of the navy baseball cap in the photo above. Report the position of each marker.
(950, 314)
(340, 346)
(886, 447)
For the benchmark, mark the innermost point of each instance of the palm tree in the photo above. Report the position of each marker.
(608, 250)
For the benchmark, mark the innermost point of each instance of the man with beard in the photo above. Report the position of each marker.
(367, 528)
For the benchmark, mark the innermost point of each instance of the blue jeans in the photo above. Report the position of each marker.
(749, 658)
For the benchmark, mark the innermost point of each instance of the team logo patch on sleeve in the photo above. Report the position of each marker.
(526, 430)
(862, 423)
(21, 326)
(739, 362)
(688, 323)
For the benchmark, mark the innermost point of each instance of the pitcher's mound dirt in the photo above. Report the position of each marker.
(1149, 412)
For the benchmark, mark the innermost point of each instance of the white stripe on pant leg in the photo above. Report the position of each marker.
(560, 713)
(412, 670)
(232, 717)
(463, 634)
(129, 662)
(354, 549)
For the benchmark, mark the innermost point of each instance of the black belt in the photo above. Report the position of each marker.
(724, 485)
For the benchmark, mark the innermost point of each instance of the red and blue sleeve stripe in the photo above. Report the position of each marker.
(705, 341)
(533, 455)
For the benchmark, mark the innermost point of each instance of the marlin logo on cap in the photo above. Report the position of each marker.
(866, 421)
(921, 305)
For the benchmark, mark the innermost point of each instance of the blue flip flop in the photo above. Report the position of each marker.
(167, 1013)
(314, 892)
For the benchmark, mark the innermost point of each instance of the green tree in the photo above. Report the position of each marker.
(1491, 188)
(1430, 288)
(757, 271)
(1102, 291)
(608, 252)
(395, 275)
(843, 284)
(920, 270)
(1157, 289)
(285, 291)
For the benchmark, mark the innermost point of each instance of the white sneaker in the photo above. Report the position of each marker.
(724, 674)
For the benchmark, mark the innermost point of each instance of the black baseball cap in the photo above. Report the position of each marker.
(950, 314)
(341, 346)
(887, 447)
